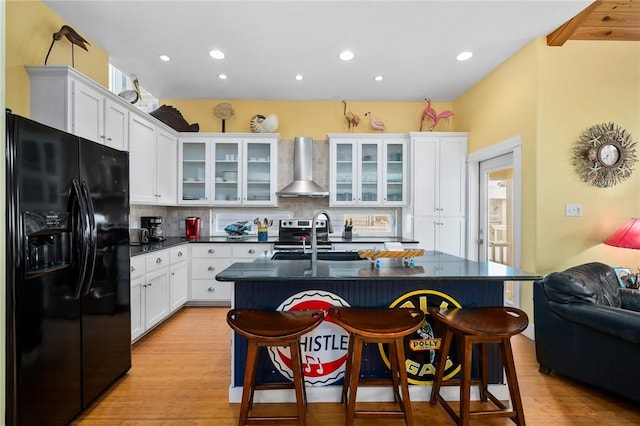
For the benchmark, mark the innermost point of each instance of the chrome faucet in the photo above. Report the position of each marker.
(314, 237)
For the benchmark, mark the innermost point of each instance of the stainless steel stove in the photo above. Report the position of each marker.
(294, 234)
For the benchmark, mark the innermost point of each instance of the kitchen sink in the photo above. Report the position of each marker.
(322, 255)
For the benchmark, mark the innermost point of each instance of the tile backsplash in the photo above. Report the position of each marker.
(300, 207)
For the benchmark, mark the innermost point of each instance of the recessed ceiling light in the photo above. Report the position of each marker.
(464, 56)
(378, 78)
(347, 55)
(222, 76)
(299, 77)
(216, 54)
(165, 58)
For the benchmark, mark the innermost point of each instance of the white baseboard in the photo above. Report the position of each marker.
(365, 394)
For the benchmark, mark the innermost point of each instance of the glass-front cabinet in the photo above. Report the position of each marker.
(193, 185)
(368, 170)
(238, 170)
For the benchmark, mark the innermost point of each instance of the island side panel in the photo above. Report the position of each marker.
(378, 293)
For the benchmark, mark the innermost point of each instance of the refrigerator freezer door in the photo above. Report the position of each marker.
(43, 325)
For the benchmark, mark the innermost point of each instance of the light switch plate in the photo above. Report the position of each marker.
(573, 209)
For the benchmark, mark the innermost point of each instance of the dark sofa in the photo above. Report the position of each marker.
(587, 327)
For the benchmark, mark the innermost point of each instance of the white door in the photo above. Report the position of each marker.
(496, 240)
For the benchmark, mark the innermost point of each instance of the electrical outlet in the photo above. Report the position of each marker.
(573, 209)
(181, 225)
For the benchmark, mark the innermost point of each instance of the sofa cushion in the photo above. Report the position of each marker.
(592, 282)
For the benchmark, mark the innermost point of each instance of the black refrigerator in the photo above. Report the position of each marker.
(68, 292)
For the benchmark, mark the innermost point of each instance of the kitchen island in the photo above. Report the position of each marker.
(436, 279)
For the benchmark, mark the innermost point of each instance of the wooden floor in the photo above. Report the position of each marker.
(181, 376)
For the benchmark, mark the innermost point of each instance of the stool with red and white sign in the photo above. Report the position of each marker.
(273, 328)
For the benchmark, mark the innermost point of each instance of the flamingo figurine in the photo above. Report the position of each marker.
(430, 113)
(375, 123)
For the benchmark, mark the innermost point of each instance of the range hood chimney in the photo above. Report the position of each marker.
(303, 184)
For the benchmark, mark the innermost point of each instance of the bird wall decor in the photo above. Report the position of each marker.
(431, 114)
(375, 123)
(352, 119)
(73, 37)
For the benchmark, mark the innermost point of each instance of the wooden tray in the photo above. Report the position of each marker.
(380, 254)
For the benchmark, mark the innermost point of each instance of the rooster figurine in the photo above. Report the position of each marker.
(375, 123)
(430, 113)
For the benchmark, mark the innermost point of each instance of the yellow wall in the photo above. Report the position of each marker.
(308, 118)
(549, 96)
(29, 31)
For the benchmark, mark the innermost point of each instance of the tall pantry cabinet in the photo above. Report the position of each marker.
(439, 191)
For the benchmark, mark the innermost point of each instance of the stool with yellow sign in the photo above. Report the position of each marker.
(367, 325)
(479, 326)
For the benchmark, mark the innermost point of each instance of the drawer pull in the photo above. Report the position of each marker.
(211, 251)
(252, 251)
(211, 289)
(158, 260)
(179, 254)
(211, 268)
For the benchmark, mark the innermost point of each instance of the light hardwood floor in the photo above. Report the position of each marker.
(181, 375)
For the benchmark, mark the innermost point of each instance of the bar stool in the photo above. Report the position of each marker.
(480, 326)
(273, 328)
(390, 326)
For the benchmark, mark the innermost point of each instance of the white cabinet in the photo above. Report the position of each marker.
(63, 98)
(152, 158)
(207, 260)
(446, 234)
(159, 283)
(368, 170)
(439, 191)
(228, 169)
(178, 278)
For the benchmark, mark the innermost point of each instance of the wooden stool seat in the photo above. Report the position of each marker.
(390, 326)
(273, 328)
(480, 326)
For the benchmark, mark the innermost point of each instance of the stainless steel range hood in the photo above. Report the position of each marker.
(303, 184)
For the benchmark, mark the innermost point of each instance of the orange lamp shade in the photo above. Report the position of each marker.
(626, 237)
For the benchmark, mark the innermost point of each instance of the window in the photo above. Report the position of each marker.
(378, 223)
(118, 82)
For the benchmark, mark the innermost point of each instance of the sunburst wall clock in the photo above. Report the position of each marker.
(604, 155)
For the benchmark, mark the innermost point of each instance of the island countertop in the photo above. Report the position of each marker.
(433, 265)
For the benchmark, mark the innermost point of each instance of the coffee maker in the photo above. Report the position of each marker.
(154, 225)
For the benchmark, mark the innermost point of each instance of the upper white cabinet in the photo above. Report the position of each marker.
(63, 98)
(439, 191)
(368, 170)
(152, 163)
(228, 169)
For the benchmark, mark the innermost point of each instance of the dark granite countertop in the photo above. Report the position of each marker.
(432, 266)
(222, 239)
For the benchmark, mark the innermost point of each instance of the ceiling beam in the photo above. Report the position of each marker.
(566, 30)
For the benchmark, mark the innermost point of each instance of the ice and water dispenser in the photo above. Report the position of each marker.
(48, 241)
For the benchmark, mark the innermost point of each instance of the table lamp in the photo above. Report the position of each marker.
(627, 237)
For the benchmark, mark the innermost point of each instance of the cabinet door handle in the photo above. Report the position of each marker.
(252, 251)
(109, 139)
(158, 260)
(173, 273)
(211, 251)
(133, 269)
(211, 268)
(101, 136)
(211, 289)
(149, 285)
